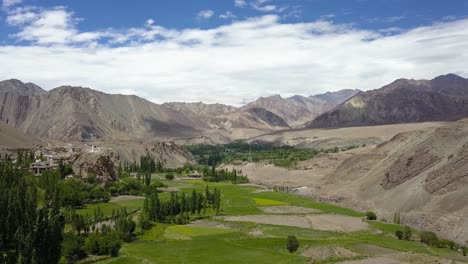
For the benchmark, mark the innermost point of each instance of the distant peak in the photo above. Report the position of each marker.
(449, 76)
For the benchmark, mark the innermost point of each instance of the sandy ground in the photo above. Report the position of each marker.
(317, 138)
(319, 222)
(324, 252)
(287, 209)
(372, 250)
(378, 260)
(406, 258)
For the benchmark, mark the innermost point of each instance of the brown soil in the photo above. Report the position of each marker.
(287, 209)
(319, 222)
(322, 253)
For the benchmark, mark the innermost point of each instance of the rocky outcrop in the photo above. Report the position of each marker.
(99, 165)
(450, 177)
(409, 166)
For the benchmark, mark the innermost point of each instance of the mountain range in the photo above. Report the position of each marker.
(71, 113)
(444, 98)
(79, 114)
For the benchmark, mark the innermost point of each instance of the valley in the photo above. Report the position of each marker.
(199, 183)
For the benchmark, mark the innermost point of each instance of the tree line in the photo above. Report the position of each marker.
(180, 207)
(283, 156)
(29, 233)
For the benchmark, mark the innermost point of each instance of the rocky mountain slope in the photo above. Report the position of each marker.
(21, 88)
(81, 114)
(12, 138)
(77, 114)
(297, 110)
(201, 109)
(420, 174)
(403, 101)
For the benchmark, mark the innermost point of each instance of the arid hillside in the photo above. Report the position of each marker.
(12, 138)
(421, 175)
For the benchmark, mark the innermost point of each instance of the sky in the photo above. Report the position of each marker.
(230, 51)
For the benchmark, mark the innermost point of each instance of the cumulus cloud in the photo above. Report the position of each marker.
(205, 14)
(240, 3)
(149, 22)
(227, 15)
(9, 3)
(241, 60)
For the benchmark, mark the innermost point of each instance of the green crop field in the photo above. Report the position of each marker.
(215, 240)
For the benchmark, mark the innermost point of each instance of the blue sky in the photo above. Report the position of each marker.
(200, 50)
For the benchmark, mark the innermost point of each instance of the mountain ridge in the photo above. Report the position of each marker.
(444, 98)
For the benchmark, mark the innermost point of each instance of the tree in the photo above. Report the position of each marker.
(170, 176)
(408, 234)
(143, 221)
(429, 238)
(292, 244)
(371, 216)
(29, 233)
(73, 247)
(396, 218)
(399, 234)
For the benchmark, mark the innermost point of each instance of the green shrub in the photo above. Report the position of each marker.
(107, 243)
(143, 221)
(399, 234)
(371, 216)
(429, 238)
(73, 247)
(292, 244)
(170, 176)
(408, 234)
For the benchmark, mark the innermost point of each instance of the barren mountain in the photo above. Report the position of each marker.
(77, 114)
(12, 138)
(254, 118)
(297, 110)
(201, 109)
(403, 101)
(21, 88)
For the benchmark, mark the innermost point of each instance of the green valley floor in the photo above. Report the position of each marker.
(253, 227)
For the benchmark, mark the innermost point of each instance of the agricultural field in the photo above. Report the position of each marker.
(253, 226)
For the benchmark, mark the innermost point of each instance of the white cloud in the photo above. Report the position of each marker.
(263, 6)
(205, 14)
(240, 3)
(266, 8)
(9, 3)
(242, 60)
(227, 15)
(386, 19)
(149, 22)
(49, 26)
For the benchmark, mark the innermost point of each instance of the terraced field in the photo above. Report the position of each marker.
(253, 227)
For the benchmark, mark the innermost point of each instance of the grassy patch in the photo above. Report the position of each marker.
(155, 233)
(192, 231)
(267, 202)
(211, 249)
(307, 202)
(107, 208)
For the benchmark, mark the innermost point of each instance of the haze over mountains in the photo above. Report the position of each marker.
(81, 114)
